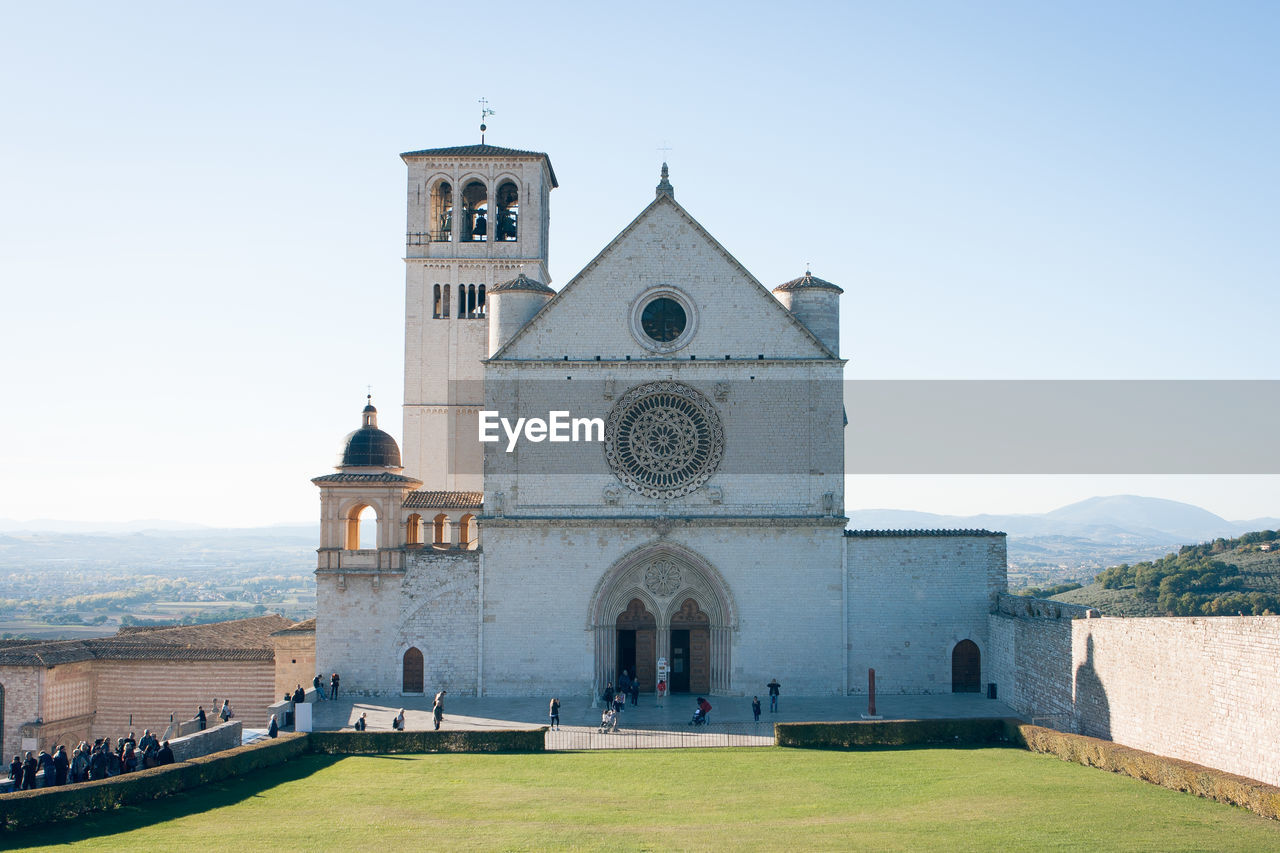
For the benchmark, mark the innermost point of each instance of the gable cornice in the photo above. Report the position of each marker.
(715, 244)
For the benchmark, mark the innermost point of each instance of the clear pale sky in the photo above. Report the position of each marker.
(202, 210)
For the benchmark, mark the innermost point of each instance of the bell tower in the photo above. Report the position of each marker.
(478, 216)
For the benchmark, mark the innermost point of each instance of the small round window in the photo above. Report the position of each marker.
(663, 319)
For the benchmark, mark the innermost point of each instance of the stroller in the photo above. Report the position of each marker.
(608, 721)
(700, 713)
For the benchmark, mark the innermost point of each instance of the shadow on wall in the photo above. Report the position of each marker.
(1092, 710)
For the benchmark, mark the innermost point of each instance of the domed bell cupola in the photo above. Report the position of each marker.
(512, 304)
(370, 447)
(816, 304)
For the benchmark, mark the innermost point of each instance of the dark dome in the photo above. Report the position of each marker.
(370, 447)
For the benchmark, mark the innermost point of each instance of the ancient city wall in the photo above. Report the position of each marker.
(1198, 689)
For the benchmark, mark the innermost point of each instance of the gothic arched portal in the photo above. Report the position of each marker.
(664, 601)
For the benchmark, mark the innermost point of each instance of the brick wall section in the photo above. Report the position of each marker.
(152, 690)
(1197, 689)
(912, 598)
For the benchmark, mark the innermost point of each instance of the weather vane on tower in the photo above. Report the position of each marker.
(485, 112)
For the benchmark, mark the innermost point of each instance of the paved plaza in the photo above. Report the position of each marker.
(646, 724)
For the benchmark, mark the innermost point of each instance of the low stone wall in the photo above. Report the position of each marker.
(224, 736)
(44, 805)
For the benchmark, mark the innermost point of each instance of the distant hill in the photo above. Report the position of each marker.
(1075, 542)
(1218, 578)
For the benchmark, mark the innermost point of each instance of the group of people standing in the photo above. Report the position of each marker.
(87, 763)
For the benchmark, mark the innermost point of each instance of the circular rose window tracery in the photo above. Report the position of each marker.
(663, 439)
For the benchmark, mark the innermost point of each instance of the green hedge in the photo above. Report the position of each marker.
(43, 805)
(1170, 773)
(365, 743)
(873, 733)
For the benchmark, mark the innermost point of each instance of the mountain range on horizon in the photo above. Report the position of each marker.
(1112, 518)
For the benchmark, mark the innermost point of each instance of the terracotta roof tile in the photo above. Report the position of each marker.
(444, 500)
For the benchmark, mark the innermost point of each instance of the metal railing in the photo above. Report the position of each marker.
(711, 735)
(421, 238)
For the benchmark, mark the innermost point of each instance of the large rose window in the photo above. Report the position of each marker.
(663, 439)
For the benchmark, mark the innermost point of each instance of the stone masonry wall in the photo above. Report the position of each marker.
(22, 685)
(366, 622)
(912, 598)
(1198, 689)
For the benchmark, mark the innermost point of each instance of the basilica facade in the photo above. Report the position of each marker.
(641, 471)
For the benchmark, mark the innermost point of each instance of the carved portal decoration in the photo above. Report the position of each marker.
(662, 577)
(663, 439)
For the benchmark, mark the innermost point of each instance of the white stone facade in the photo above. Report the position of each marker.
(706, 529)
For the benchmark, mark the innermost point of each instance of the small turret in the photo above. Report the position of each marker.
(816, 304)
(512, 304)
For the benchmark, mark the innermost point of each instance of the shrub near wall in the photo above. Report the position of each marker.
(873, 733)
(1172, 773)
(367, 743)
(43, 805)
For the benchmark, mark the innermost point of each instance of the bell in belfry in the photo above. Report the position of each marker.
(482, 226)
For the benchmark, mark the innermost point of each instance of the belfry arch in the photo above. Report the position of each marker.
(688, 601)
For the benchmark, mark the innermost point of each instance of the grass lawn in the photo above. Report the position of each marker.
(718, 799)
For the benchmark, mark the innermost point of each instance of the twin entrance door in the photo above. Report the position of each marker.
(686, 644)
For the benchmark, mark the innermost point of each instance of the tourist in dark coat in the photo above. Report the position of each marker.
(15, 772)
(333, 686)
(201, 718)
(46, 765)
(165, 755)
(98, 763)
(30, 768)
(273, 728)
(61, 764)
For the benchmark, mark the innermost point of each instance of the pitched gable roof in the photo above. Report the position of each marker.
(662, 199)
(237, 640)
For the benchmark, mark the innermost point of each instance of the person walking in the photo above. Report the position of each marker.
(774, 688)
(333, 686)
(226, 713)
(755, 707)
(201, 718)
(635, 692)
(555, 714)
(362, 723)
(437, 708)
(273, 730)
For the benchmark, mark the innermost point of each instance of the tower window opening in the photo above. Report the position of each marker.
(442, 213)
(361, 526)
(507, 229)
(444, 305)
(480, 300)
(471, 302)
(436, 304)
(475, 213)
